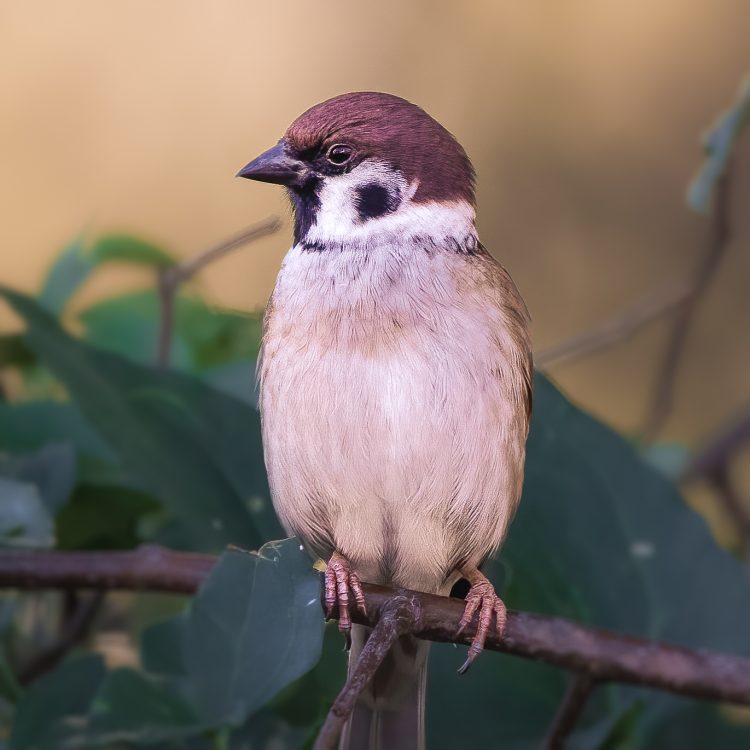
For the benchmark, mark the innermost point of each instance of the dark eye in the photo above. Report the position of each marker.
(339, 154)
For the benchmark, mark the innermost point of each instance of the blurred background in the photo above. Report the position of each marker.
(583, 120)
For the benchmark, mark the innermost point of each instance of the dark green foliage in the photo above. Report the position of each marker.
(603, 539)
(193, 448)
(204, 337)
(52, 701)
(103, 517)
(255, 626)
(52, 469)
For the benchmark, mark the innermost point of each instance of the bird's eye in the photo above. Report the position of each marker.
(339, 154)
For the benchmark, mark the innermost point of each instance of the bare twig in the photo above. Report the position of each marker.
(604, 656)
(719, 450)
(398, 616)
(713, 464)
(148, 568)
(170, 278)
(617, 328)
(733, 505)
(73, 632)
(717, 242)
(569, 711)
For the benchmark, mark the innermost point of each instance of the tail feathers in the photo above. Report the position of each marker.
(389, 714)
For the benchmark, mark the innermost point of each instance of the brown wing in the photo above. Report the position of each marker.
(517, 315)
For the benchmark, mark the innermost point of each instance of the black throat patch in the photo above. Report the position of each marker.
(373, 200)
(305, 202)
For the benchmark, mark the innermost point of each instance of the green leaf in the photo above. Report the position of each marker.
(125, 248)
(9, 687)
(718, 144)
(77, 262)
(30, 426)
(24, 520)
(103, 517)
(240, 649)
(161, 647)
(699, 726)
(236, 379)
(671, 459)
(266, 731)
(194, 449)
(254, 627)
(203, 336)
(130, 707)
(61, 695)
(14, 352)
(67, 274)
(51, 469)
(129, 326)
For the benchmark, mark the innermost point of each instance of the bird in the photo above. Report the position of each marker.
(395, 380)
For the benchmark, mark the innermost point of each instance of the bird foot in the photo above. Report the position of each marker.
(481, 597)
(340, 582)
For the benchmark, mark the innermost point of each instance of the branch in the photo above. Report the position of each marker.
(603, 655)
(171, 278)
(717, 452)
(712, 463)
(718, 240)
(398, 617)
(617, 328)
(570, 710)
(148, 568)
(681, 298)
(74, 631)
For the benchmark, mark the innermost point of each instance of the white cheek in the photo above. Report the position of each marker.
(337, 216)
(338, 222)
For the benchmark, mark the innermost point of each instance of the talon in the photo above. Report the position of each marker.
(359, 595)
(481, 597)
(340, 580)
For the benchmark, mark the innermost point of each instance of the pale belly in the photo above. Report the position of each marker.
(408, 462)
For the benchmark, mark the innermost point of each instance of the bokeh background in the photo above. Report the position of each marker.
(583, 119)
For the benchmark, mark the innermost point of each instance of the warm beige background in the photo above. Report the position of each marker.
(582, 117)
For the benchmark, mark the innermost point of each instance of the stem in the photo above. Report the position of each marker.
(170, 279)
(605, 656)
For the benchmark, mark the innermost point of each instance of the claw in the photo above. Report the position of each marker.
(481, 597)
(339, 581)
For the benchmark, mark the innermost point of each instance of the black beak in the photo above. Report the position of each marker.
(275, 165)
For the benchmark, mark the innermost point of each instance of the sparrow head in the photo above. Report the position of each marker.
(362, 164)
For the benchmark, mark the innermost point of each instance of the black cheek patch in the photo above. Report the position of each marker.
(375, 200)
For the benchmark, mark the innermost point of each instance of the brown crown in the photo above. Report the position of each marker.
(387, 127)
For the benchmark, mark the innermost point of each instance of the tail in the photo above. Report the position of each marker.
(389, 714)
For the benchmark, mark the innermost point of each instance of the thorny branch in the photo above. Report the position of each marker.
(171, 278)
(595, 655)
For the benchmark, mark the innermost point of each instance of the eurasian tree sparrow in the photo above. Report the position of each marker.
(395, 378)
